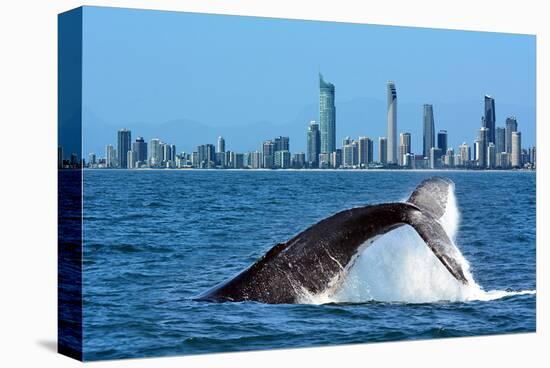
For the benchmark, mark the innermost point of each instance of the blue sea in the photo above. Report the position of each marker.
(155, 239)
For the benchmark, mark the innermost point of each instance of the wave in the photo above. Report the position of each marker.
(399, 267)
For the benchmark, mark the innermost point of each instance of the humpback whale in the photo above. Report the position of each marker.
(321, 255)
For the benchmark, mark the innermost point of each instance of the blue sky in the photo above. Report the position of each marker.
(148, 70)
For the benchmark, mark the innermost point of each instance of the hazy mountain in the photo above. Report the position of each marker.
(357, 117)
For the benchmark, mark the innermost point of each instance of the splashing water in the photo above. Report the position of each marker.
(399, 267)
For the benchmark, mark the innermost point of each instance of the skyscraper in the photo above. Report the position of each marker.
(429, 130)
(516, 150)
(491, 156)
(404, 147)
(365, 151)
(206, 156)
(489, 118)
(442, 140)
(110, 156)
(221, 144)
(435, 157)
(350, 154)
(313, 144)
(511, 126)
(281, 144)
(392, 123)
(131, 159)
(500, 139)
(282, 159)
(140, 149)
(268, 152)
(124, 143)
(464, 153)
(327, 116)
(482, 150)
(155, 152)
(382, 150)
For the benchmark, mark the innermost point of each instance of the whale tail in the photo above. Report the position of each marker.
(431, 197)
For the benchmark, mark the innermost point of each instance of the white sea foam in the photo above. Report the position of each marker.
(399, 267)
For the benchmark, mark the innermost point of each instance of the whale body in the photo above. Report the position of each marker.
(321, 256)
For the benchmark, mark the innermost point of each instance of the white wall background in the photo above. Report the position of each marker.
(28, 243)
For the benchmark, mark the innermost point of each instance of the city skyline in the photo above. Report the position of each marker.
(220, 88)
(502, 149)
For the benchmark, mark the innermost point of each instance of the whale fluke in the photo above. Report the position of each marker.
(320, 256)
(432, 195)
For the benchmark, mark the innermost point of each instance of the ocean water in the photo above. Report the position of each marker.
(155, 239)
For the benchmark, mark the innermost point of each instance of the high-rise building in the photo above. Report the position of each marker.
(533, 155)
(91, 159)
(350, 154)
(392, 123)
(268, 153)
(435, 157)
(365, 151)
(124, 143)
(404, 147)
(282, 159)
(173, 153)
(490, 118)
(382, 150)
(482, 150)
(131, 159)
(464, 153)
(298, 160)
(500, 139)
(450, 157)
(140, 149)
(206, 157)
(325, 160)
(429, 130)
(442, 140)
(281, 144)
(236, 160)
(491, 156)
(336, 158)
(155, 152)
(511, 126)
(110, 156)
(515, 157)
(255, 160)
(166, 153)
(313, 144)
(327, 116)
(503, 160)
(221, 145)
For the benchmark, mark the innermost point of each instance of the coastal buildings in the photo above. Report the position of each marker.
(482, 148)
(124, 139)
(511, 126)
(139, 147)
(489, 118)
(392, 123)
(327, 116)
(442, 140)
(404, 148)
(500, 139)
(110, 154)
(428, 138)
(313, 144)
(382, 150)
(515, 158)
(505, 152)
